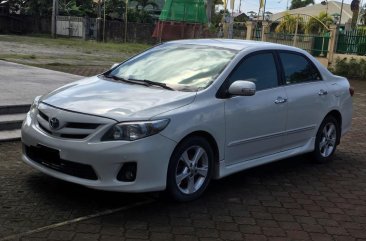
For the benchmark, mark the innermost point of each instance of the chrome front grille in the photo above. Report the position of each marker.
(68, 128)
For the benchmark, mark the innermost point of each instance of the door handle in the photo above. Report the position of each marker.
(322, 92)
(280, 100)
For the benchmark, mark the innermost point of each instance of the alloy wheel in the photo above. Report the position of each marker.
(328, 139)
(192, 169)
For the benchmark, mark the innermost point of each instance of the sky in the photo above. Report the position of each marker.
(273, 6)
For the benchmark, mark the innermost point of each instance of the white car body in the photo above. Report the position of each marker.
(245, 131)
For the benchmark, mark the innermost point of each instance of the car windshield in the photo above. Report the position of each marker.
(184, 67)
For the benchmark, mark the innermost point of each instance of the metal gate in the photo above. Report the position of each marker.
(302, 31)
(70, 26)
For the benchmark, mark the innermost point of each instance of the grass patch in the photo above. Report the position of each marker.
(85, 46)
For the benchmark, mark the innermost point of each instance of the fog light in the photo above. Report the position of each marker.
(127, 172)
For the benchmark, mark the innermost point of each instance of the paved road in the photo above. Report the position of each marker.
(16, 78)
(293, 199)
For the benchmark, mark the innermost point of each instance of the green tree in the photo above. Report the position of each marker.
(363, 15)
(288, 24)
(115, 9)
(355, 8)
(31, 7)
(300, 3)
(70, 7)
(316, 27)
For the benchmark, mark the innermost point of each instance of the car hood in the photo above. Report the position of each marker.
(117, 100)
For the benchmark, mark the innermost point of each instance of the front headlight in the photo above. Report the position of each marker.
(131, 131)
(32, 111)
(35, 103)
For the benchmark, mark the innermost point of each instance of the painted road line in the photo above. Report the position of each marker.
(76, 220)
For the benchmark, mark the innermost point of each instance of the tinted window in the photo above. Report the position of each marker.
(298, 69)
(259, 68)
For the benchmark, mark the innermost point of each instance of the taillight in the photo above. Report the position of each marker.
(351, 91)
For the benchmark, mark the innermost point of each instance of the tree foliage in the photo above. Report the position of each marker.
(363, 15)
(355, 7)
(77, 7)
(315, 27)
(300, 3)
(114, 9)
(32, 7)
(288, 24)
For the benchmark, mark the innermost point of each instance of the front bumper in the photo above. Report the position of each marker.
(151, 154)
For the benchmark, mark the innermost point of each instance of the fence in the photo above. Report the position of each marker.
(317, 45)
(23, 24)
(352, 42)
(136, 32)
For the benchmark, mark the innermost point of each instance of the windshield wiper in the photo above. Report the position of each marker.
(140, 82)
(149, 82)
(130, 81)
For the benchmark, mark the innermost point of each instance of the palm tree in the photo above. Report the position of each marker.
(355, 7)
(316, 27)
(288, 24)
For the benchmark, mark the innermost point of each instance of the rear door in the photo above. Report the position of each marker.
(307, 98)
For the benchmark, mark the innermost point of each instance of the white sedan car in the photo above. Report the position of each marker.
(185, 112)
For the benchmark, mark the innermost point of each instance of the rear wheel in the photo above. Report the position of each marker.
(190, 169)
(326, 139)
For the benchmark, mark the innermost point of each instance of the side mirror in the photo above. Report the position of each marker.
(242, 88)
(114, 65)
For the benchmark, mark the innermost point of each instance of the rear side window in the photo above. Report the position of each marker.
(298, 68)
(259, 68)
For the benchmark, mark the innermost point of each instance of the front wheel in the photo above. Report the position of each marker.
(190, 169)
(326, 139)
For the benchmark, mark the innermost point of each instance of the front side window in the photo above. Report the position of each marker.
(298, 69)
(180, 66)
(260, 69)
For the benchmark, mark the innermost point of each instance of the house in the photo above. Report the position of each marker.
(333, 8)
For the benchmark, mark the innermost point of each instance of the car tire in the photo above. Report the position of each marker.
(190, 169)
(326, 140)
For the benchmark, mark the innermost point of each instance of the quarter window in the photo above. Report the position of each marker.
(259, 68)
(298, 69)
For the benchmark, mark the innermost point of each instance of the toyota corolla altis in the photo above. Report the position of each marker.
(185, 112)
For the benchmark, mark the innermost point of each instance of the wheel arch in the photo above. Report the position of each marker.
(338, 116)
(211, 140)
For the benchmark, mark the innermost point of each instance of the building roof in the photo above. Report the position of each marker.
(333, 7)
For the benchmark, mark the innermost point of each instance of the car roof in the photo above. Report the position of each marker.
(235, 44)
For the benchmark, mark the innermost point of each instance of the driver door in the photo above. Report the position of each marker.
(255, 125)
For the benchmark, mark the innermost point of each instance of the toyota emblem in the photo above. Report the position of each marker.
(54, 123)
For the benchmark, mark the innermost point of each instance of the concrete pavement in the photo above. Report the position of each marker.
(19, 84)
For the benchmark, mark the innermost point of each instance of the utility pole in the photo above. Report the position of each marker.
(104, 22)
(54, 16)
(126, 19)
